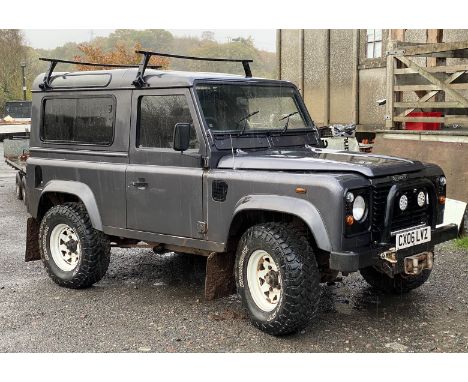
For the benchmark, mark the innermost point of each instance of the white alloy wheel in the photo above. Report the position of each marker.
(264, 280)
(65, 247)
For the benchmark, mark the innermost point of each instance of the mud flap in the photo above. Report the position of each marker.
(219, 281)
(32, 240)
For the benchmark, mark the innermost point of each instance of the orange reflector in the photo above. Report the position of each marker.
(349, 220)
(441, 199)
(301, 190)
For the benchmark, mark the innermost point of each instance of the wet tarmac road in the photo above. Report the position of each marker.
(154, 303)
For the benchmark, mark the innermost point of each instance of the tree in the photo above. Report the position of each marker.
(119, 55)
(119, 48)
(208, 35)
(263, 62)
(12, 54)
(150, 39)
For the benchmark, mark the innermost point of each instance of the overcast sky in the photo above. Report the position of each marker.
(50, 38)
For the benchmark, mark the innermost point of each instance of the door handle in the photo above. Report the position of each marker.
(141, 184)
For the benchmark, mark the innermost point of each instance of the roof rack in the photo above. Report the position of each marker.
(140, 81)
(53, 63)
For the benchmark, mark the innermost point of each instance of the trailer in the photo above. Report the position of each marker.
(16, 152)
(9, 130)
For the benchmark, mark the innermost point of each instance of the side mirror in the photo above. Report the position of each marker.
(181, 136)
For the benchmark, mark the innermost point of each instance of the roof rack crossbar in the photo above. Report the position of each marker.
(139, 80)
(53, 63)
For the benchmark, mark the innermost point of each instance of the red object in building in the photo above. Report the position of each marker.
(423, 125)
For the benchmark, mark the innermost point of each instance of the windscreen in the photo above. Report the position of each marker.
(243, 109)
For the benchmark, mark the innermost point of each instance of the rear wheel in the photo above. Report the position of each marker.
(400, 283)
(277, 278)
(74, 254)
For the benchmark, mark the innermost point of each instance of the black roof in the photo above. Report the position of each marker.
(123, 78)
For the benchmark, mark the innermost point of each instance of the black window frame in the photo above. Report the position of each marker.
(138, 121)
(78, 143)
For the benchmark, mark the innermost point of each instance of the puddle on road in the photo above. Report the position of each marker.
(183, 276)
(144, 268)
(347, 298)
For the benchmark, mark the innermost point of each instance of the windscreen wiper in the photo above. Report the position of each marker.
(244, 119)
(286, 117)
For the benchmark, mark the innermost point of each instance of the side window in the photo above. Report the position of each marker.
(79, 120)
(374, 43)
(157, 117)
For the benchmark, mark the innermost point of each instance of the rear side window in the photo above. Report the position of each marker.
(79, 120)
(157, 117)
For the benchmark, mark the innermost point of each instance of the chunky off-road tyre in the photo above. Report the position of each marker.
(18, 187)
(401, 283)
(23, 190)
(74, 254)
(277, 277)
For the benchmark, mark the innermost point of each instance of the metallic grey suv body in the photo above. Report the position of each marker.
(201, 200)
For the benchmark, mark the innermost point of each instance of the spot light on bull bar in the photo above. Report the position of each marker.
(421, 198)
(403, 202)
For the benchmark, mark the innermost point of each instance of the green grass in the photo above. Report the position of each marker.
(462, 242)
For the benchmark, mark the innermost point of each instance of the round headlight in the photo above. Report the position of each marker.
(403, 203)
(421, 199)
(359, 208)
(442, 181)
(349, 197)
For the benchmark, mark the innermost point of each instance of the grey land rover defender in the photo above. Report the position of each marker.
(226, 166)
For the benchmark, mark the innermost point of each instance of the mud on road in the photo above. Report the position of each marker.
(154, 303)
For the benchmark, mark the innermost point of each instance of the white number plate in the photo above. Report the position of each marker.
(413, 237)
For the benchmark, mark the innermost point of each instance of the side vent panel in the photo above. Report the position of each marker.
(219, 189)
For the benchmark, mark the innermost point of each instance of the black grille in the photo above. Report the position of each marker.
(412, 216)
(379, 201)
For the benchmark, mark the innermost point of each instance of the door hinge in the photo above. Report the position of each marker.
(202, 227)
(206, 162)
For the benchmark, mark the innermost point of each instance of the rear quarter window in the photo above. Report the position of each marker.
(79, 120)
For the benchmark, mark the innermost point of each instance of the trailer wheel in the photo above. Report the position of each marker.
(23, 190)
(277, 278)
(19, 187)
(74, 254)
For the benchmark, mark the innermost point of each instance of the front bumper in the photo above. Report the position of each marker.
(365, 257)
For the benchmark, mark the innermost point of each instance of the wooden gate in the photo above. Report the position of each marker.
(413, 85)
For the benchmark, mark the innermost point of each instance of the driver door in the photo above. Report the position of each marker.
(164, 186)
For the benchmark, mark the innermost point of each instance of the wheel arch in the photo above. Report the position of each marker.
(61, 191)
(255, 209)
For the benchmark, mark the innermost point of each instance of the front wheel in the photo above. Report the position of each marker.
(74, 254)
(277, 277)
